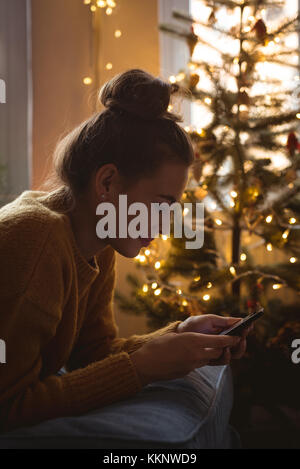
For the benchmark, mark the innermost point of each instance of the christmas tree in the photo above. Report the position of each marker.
(243, 77)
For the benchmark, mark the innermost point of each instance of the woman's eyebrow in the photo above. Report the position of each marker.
(170, 198)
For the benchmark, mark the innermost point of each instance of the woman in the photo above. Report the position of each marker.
(58, 276)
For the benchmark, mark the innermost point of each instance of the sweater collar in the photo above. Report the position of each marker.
(86, 271)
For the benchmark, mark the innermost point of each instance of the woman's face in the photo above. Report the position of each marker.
(166, 185)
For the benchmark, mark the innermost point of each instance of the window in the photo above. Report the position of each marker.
(15, 113)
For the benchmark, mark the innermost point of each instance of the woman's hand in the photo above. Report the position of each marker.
(174, 355)
(213, 324)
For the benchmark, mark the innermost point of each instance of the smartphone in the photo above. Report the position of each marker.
(238, 327)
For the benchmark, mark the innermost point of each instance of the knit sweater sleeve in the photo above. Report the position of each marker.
(30, 316)
(99, 333)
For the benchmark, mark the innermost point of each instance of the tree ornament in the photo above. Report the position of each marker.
(200, 193)
(260, 30)
(194, 80)
(192, 40)
(243, 98)
(292, 143)
(290, 175)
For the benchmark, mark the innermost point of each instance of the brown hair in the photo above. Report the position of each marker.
(136, 132)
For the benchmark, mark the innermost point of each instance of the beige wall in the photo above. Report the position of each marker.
(61, 34)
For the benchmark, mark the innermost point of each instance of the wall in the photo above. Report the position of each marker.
(61, 38)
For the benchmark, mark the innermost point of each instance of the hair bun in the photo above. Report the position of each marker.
(138, 92)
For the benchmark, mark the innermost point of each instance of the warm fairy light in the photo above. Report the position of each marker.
(218, 221)
(184, 303)
(269, 218)
(147, 252)
(233, 194)
(285, 234)
(108, 11)
(269, 247)
(145, 288)
(187, 128)
(180, 76)
(108, 66)
(170, 107)
(164, 237)
(186, 211)
(293, 260)
(101, 3)
(178, 291)
(93, 8)
(276, 286)
(86, 2)
(111, 3)
(142, 259)
(206, 297)
(292, 221)
(157, 291)
(243, 256)
(154, 285)
(172, 79)
(118, 33)
(87, 80)
(157, 265)
(196, 279)
(298, 115)
(232, 270)
(209, 285)
(207, 100)
(232, 203)
(236, 60)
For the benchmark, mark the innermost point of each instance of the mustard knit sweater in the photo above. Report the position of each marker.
(56, 310)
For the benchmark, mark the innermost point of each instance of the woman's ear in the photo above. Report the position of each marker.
(106, 182)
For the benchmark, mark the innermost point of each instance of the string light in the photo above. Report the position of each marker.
(157, 291)
(184, 303)
(243, 256)
(87, 2)
(157, 265)
(276, 286)
(233, 194)
(185, 211)
(285, 234)
(87, 81)
(178, 291)
(207, 100)
(93, 8)
(101, 3)
(142, 259)
(232, 203)
(108, 66)
(293, 260)
(145, 288)
(292, 221)
(298, 115)
(147, 252)
(108, 11)
(232, 270)
(269, 218)
(269, 247)
(164, 237)
(118, 33)
(154, 285)
(172, 79)
(209, 285)
(111, 3)
(196, 279)
(218, 221)
(206, 297)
